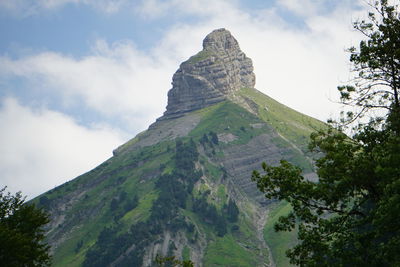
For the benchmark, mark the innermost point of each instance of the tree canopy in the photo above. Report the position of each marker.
(21, 233)
(173, 262)
(376, 63)
(350, 216)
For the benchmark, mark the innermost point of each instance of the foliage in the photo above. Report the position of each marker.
(292, 125)
(120, 205)
(210, 215)
(279, 242)
(204, 54)
(228, 251)
(350, 216)
(110, 245)
(227, 117)
(232, 211)
(21, 233)
(214, 137)
(376, 62)
(172, 261)
(174, 189)
(353, 204)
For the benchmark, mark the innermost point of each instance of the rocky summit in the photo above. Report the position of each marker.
(211, 76)
(182, 188)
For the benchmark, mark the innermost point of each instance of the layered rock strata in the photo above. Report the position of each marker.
(211, 76)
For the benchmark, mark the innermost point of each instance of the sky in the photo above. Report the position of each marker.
(78, 78)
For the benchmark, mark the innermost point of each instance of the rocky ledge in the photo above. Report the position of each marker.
(212, 75)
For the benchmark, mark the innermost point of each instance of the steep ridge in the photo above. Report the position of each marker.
(211, 76)
(183, 186)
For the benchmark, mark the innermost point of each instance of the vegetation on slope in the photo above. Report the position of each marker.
(228, 117)
(21, 232)
(279, 242)
(350, 216)
(132, 203)
(226, 251)
(173, 190)
(292, 125)
(161, 187)
(88, 199)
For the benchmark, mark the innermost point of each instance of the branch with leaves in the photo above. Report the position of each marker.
(375, 63)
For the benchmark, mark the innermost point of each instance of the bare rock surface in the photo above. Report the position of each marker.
(211, 76)
(241, 160)
(162, 130)
(226, 137)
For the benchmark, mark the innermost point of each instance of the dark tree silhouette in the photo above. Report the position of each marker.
(21, 232)
(350, 216)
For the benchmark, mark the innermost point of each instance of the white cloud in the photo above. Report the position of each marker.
(205, 8)
(42, 148)
(302, 7)
(114, 81)
(307, 8)
(109, 6)
(35, 7)
(302, 67)
(153, 8)
(298, 66)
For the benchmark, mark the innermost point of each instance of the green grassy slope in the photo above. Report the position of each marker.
(279, 242)
(90, 210)
(228, 117)
(226, 251)
(85, 206)
(80, 230)
(293, 125)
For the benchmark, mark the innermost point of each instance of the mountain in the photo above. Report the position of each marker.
(183, 186)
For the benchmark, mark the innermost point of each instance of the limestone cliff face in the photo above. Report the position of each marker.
(211, 76)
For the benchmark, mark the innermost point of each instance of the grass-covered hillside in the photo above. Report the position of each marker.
(292, 125)
(182, 188)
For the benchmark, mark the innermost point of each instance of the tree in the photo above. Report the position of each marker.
(21, 233)
(376, 64)
(232, 211)
(172, 261)
(350, 216)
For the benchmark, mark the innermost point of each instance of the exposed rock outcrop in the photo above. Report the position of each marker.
(211, 76)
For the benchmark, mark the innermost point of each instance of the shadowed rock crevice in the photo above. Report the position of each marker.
(211, 76)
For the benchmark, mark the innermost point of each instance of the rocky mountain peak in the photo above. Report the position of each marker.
(211, 76)
(220, 40)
